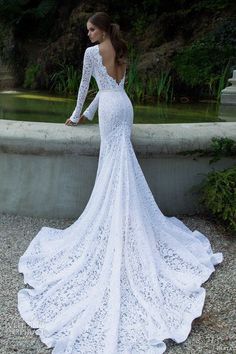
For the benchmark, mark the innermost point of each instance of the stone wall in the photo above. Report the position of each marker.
(49, 169)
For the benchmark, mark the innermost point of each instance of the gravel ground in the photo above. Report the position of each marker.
(212, 333)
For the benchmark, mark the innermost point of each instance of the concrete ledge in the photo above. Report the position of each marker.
(48, 169)
(149, 139)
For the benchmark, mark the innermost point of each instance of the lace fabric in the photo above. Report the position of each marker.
(123, 277)
(93, 66)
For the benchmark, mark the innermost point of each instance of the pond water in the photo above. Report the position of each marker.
(43, 107)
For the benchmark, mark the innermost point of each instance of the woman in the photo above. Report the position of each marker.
(123, 277)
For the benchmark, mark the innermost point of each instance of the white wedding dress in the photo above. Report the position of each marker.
(123, 277)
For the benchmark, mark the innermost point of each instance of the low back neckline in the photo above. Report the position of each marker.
(104, 67)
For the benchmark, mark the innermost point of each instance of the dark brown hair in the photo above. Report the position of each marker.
(103, 21)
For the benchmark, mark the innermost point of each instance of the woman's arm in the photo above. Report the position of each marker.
(91, 109)
(84, 85)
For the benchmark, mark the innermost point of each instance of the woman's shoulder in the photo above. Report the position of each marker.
(91, 50)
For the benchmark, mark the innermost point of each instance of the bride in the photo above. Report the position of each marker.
(123, 277)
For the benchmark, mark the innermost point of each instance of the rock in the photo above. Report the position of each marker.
(159, 59)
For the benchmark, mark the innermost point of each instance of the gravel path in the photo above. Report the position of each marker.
(214, 332)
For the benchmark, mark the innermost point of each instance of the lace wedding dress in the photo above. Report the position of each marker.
(123, 277)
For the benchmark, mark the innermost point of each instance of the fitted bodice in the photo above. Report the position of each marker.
(93, 66)
(103, 79)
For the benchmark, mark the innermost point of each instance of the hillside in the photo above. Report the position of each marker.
(187, 46)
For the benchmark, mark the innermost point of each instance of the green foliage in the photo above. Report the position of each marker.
(160, 87)
(218, 189)
(4, 39)
(66, 80)
(218, 83)
(222, 147)
(213, 4)
(14, 11)
(134, 86)
(219, 195)
(140, 24)
(28, 18)
(173, 22)
(204, 65)
(206, 61)
(140, 90)
(44, 8)
(31, 74)
(163, 86)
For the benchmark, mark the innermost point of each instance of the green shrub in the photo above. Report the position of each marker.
(222, 147)
(206, 61)
(218, 189)
(31, 76)
(219, 195)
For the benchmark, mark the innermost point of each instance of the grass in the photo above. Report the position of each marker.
(66, 80)
(156, 89)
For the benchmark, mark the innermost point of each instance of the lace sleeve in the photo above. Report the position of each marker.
(91, 109)
(84, 85)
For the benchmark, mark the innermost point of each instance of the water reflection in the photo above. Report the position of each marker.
(43, 107)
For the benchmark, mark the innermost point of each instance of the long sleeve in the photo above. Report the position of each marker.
(84, 84)
(91, 109)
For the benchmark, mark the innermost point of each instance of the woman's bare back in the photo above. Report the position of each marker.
(116, 71)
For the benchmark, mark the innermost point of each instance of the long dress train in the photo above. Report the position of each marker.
(123, 277)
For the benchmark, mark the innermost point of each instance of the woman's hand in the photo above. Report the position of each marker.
(81, 120)
(69, 122)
